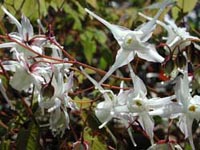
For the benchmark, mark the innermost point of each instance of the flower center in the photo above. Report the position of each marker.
(192, 108)
(138, 103)
(129, 42)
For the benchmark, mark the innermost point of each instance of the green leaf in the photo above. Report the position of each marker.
(187, 147)
(89, 45)
(100, 36)
(81, 10)
(5, 145)
(93, 3)
(94, 142)
(89, 50)
(28, 138)
(43, 8)
(103, 63)
(185, 5)
(82, 103)
(74, 16)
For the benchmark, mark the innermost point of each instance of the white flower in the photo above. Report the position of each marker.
(104, 109)
(58, 100)
(132, 42)
(139, 105)
(24, 77)
(177, 36)
(59, 120)
(190, 106)
(111, 106)
(24, 35)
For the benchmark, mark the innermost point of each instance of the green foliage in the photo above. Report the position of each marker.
(5, 145)
(39, 10)
(184, 6)
(88, 41)
(94, 142)
(89, 45)
(28, 138)
(74, 15)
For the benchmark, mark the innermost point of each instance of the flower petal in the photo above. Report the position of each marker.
(8, 45)
(147, 28)
(27, 29)
(97, 85)
(182, 89)
(150, 54)
(159, 102)
(185, 125)
(21, 79)
(147, 124)
(12, 18)
(123, 57)
(103, 112)
(139, 86)
(118, 32)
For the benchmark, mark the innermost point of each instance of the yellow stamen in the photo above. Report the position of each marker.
(138, 103)
(129, 41)
(192, 108)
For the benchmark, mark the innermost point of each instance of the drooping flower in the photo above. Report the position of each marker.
(57, 101)
(24, 76)
(132, 42)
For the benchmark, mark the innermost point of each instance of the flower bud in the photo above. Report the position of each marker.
(168, 65)
(47, 90)
(194, 55)
(197, 75)
(180, 60)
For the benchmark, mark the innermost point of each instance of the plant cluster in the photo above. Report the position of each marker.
(40, 81)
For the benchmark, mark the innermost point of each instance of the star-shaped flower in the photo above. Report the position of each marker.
(177, 36)
(190, 106)
(132, 42)
(23, 35)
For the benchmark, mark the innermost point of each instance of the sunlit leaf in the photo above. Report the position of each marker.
(100, 36)
(89, 45)
(83, 103)
(74, 16)
(103, 63)
(185, 5)
(94, 141)
(56, 4)
(93, 3)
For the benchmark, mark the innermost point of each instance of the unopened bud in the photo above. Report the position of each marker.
(47, 90)
(168, 66)
(197, 75)
(180, 60)
(194, 55)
